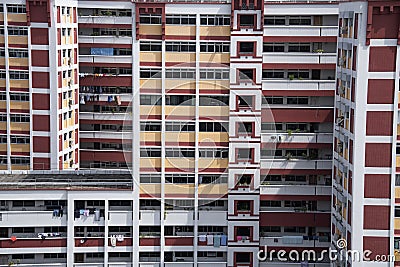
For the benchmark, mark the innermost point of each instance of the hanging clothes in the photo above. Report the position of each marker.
(210, 240)
(224, 240)
(109, 99)
(118, 100)
(120, 238)
(97, 215)
(82, 100)
(77, 214)
(113, 241)
(217, 241)
(202, 238)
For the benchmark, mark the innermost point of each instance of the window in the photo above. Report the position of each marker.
(272, 100)
(176, 126)
(150, 126)
(215, 20)
(213, 179)
(150, 100)
(179, 178)
(18, 53)
(270, 203)
(2, 52)
(125, 32)
(150, 152)
(213, 126)
(214, 74)
(244, 153)
(3, 96)
(214, 100)
(297, 100)
(3, 139)
(23, 203)
(246, 20)
(274, 47)
(16, 9)
(179, 152)
(246, 47)
(150, 46)
(150, 178)
(180, 73)
(273, 74)
(23, 256)
(150, 18)
(2, 74)
(245, 101)
(15, 139)
(3, 160)
(300, 20)
(299, 74)
(243, 205)
(294, 229)
(299, 47)
(17, 31)
(1, 30)
(180, 47)
(3, 117)
(19, 118)
(214, 47)
(213, 153)
(19, 96)
(55, 255)
(184, 100)
(19, 75)
(274, 20)
(150, 73)
(181, 19)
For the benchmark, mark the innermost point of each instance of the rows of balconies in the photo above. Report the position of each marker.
(300, 58)
(153, 217)
(300, 30)
(281, 84)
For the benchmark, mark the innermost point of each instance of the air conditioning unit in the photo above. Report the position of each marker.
(71, 143)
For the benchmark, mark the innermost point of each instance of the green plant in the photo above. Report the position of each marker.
(288, 156)
(289, 132)
(297, 130)
(291, 77)
(320, 50)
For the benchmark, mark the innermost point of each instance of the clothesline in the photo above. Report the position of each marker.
(216, 240)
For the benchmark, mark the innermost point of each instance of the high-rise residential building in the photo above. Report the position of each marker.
(365, 193)
(39, 91)
(244, 124)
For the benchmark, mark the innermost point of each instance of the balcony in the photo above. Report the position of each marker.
(104, 20)
(105, 39)
(294, 30)
(120, 218)
(300, 58)
(179, 217)
(295, 189)
(89, 221)
(179, 264)
(105, 59)
(211, 217)
(283, 84)
(296, 164)
(25, 218)
(294, 241)
(105, 135)
(325, 138)
(103, 116)
(150, 217)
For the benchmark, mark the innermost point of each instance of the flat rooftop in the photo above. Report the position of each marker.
(67, 180)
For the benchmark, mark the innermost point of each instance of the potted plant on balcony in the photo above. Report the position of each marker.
(320, 51)
(289, 132)
(291, 77)
(288, 156)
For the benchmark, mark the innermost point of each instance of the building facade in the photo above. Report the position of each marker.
(238, 122)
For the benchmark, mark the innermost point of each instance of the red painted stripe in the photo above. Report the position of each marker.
(179, 37)
(217, 38)
(18, 67)
(20, 153)
(150, 64)
(19, 89)
(20, 132)
(149, 36)
(15, 23)
(20, 111)
(18, 45)
(180, 91)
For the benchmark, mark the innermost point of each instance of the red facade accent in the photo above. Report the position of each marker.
(298, 115)
(179, 241)
(40, 79)
(377, 245)
(40, 58)
(377, 217)
(40, 101)
(376, 54)
(380, 91)
(41, 123)
(39, 36)
(41, 144)
(41, 163)
(380, 123)
(295, 219)
(377, 186)
(378, 155)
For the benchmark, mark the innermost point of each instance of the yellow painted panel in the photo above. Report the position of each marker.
(18, 61)
(2, 39)
(150, 110)
(19, 83)
(180, 30)
(150, 162)
(150, 56)
(3, 167)
(179, 84)
(2, 16)
(3, 104)
(16, 17)
(150, 189)
(18, 40)
(215, 31)
(398, 161)
(20, 147)
(3, 125)
(19, 126)
(213, 137)
(3, 147)
(65, 103)
(187, 189)
(150, 136)
(398, 129)
(2, 61)
(19, 105)
(180, 57)
(180, 163)
(179, 137)
(150, 29)
(71, 122)
(2, 82)
(205, 163)
(20, 167)
(210, 111)
(150, 83)
(214, 84)
(215, 57)
(214, 189)
(179, 110)
(397, 223)
(397, 192)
